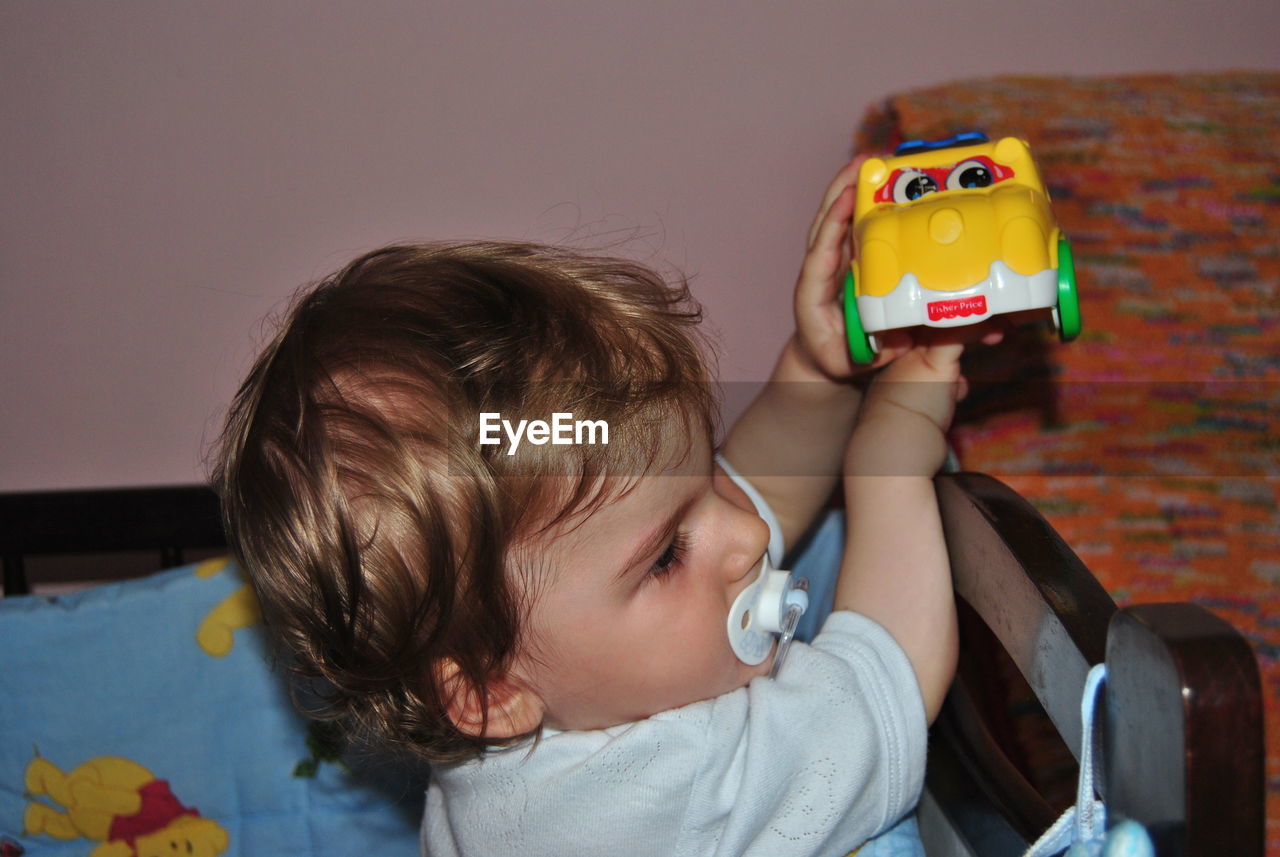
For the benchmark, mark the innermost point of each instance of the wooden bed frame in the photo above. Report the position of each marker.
(1183, 741)
(169, 521)
(1182, 746)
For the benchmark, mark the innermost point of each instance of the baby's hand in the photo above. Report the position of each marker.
(820, 336)
(820, 327)
(903, 424)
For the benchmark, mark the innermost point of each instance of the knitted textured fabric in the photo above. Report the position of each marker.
(1150, 443)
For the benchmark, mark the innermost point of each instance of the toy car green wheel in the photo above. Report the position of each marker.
(1068, 314)
(860, 346)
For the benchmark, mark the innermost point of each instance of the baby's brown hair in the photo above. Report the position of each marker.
(376, 529)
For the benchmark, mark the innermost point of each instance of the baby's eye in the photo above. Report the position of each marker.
(671, 558)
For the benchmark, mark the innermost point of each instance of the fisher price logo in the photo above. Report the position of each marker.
(958, 308)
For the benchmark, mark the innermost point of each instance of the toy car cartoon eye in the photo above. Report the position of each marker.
(913, 184)
(972, 173)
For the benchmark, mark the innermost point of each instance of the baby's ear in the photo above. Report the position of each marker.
(514, 708)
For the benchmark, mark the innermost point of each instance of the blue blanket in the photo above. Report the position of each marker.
(150, 710)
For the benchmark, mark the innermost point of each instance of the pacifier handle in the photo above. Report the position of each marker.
(791, 621)
(771, 604)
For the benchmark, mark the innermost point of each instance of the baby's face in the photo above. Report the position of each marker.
(630, 620)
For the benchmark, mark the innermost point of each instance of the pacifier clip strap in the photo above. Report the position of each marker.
(1087, 820)
(1082, 829)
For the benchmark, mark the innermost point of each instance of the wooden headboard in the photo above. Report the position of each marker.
(167, 520)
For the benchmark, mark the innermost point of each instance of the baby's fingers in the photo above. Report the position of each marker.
(925, 381)
(926, 363)
(941, 347)
(819, 317)
(818, 273)
(843, 179)
(942, 359)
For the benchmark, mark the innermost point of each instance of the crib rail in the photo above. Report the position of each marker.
(168, 520)
(1183, 714)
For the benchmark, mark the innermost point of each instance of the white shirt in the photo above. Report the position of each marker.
(811, 763)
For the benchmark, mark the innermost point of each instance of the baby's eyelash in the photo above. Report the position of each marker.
(671, 559)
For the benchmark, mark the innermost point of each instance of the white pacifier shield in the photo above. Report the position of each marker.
(757, 613)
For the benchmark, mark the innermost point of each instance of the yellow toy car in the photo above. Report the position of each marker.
(952, 232)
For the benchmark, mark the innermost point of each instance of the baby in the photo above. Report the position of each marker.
(540, 610)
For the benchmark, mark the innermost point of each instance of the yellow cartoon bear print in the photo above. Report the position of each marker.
(121, 806)
(216, 634)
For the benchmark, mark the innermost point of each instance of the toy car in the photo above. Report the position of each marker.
(952, 232)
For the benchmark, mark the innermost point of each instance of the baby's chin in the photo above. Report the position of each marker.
(736, 678)
(747, 673)
(763, 668)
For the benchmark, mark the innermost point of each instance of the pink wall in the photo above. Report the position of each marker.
(172, 171)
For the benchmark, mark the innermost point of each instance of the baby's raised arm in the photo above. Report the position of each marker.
(895, 569)
(789, 442)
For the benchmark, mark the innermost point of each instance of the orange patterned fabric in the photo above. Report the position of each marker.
(1152, 443)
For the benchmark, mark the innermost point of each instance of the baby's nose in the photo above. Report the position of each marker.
(743, 573)
(752, 542)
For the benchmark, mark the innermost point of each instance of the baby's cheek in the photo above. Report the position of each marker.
(732, 673)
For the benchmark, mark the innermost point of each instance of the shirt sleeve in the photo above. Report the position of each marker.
(814, 762)
(822, 758)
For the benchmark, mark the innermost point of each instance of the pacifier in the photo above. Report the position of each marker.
(771, 604)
